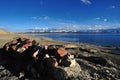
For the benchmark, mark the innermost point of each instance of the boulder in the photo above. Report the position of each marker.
(73, 72)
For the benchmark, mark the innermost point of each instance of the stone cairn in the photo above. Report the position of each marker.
(28, 59)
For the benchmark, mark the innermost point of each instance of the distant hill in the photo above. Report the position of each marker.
(5, 32)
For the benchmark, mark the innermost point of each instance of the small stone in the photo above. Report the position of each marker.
(107, 71)
(93, 51)
(21, 49)
(114, 69)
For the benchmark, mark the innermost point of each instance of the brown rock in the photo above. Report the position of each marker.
(62, 52)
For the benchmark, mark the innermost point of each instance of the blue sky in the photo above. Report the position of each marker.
(20, 15)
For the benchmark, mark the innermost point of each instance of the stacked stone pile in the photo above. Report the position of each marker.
(25, 58)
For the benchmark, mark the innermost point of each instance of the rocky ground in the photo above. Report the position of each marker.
(96, 62)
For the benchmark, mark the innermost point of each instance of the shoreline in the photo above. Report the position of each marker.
(109, 40)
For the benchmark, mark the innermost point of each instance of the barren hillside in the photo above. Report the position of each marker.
(4, 32)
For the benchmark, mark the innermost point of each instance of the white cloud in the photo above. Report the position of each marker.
(101, 19)
(34, 17)
(41, 18)
(44, 18)
(86, 1)
(105, 20)
(112, 7)
(98, 18)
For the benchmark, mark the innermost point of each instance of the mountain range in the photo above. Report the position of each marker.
(77, 30)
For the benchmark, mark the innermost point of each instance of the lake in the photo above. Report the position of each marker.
(96, 39)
